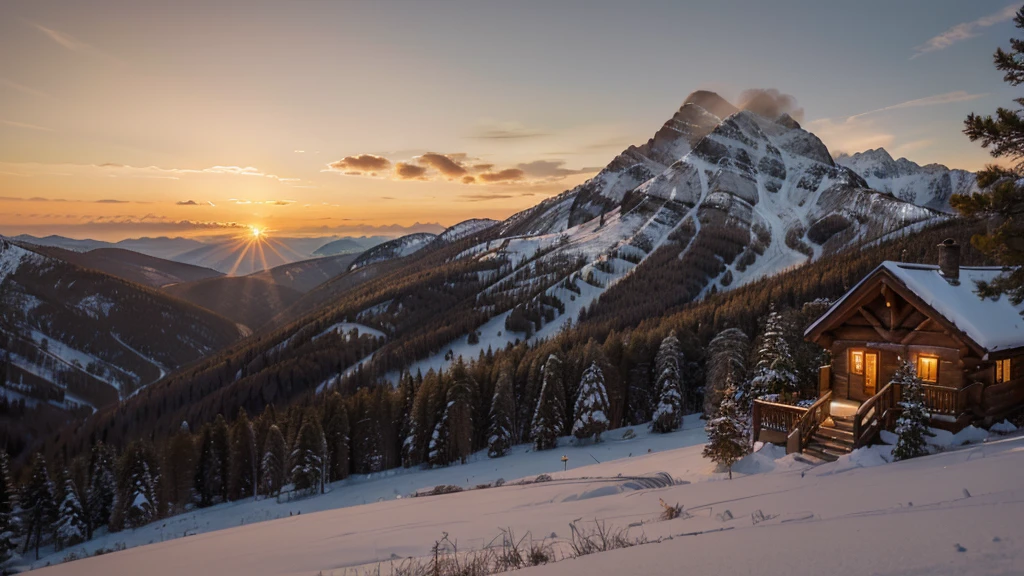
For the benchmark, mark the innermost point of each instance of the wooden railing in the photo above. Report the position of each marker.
(943, 400)
(873, 415)
(773, 416)
(800, 436)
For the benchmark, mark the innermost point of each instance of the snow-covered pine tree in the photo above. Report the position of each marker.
(308, 457)
(274, 464)
(179, 471)
(668, 414)
(136, 482)
(460, 414)
(554, 378)
(591, 405)
(242, 458)
(8, 511)
(39, 506)
(727, 359)
(775, 372)
(503, 409)
(547, 418)
(406, 399)
(728, 438)
(912, 425)
(70, 526)
(336, 433)
(102, 486)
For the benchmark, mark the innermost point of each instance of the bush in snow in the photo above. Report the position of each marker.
(912, 426)
(727, 434)
(668, 415)
(775, 372)
(502, 410)
(591, 405)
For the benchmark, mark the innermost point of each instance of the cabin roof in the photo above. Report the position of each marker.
(994, 324)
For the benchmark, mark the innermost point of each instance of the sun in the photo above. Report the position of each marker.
(256, 232)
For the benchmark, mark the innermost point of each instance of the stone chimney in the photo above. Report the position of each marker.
(949, 260)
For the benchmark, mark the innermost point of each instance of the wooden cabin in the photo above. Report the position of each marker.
(968, 350)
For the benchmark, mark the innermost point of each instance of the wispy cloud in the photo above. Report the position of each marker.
(491, 130)
(25, 125)
(25, 89)
(66, 40)
(963, 31)
(937, 100)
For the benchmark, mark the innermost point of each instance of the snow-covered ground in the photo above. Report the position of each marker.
(952, 513)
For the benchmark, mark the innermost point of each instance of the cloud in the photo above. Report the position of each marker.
(25, 89)
(483, 167)
(963, 31)
(26, 125)
(551, 169)
(938, 99)
(484, 197)
(445, 164)
(490, 130)
(406, 171)
(468, 180)
(506, 175)
(44, 199)
(111, 201)
(360, 164)
(244, 202)
(187, 203)
(371, 229)
(770, 103)
(863, 131)
(65, 40)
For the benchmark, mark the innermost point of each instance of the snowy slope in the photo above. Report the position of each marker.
(952, 513)
(929, 186)
(464, 229)
(392, 249)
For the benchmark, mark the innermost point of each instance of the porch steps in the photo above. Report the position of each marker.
(832, 439)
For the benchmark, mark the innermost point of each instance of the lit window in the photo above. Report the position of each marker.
(857, 361)
(928, 368)
(1003, 370)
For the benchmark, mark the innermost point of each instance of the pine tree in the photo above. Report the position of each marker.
(727, 360)
(39, 506)
(454, 430)
(242, 458)
(547, 418)
(775, 372)
(309, 458)
(9, 510)
(591, 405)
(220, 436)
(136, 481)
(503, 409)
(668, 415)
(1002, 202)
(179, 471)
(102, 494)
(274, 464)
(912, 425)
(212, 465)
(70, 527)
(728, 439)
(336, 433)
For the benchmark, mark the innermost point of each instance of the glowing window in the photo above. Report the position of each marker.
(1003, 370)
(857, 361)
(928, 368)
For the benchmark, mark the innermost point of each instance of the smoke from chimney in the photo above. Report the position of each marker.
(770, 103)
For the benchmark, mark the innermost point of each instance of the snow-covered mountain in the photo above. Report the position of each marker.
(397, 248)
(75, 337)
(730, 195)
(465, 229)
(929, 186)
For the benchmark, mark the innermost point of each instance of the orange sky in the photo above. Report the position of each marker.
(353, 117)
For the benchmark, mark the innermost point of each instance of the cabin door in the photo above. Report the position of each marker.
(870, 373)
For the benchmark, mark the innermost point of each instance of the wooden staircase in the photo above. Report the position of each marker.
(832, 439)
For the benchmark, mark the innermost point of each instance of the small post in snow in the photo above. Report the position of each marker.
(565, 462)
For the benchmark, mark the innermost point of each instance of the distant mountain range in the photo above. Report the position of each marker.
(930, 186)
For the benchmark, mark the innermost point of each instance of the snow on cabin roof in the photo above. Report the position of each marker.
(994, 324)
